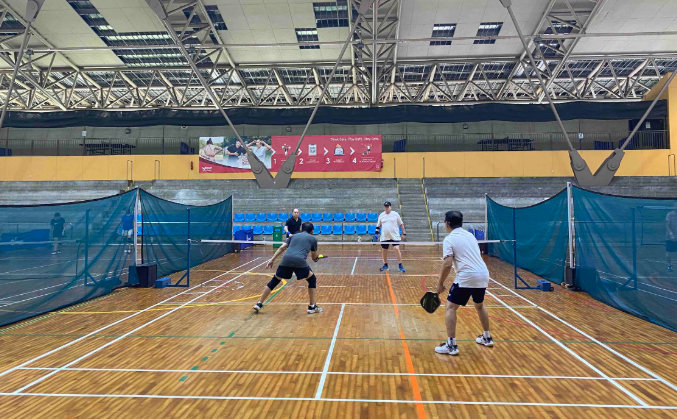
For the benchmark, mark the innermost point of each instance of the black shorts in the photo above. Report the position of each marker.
(385, 245)
(671, 246)
(460, 296)
(286, 272)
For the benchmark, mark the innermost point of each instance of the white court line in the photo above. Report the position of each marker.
(308, 399)
(39, 289)
(577, 356)
(613, 351)
(398, 374)
(320, 386)
(126, 334)
(106, 327)
(354, 264)
(338, 304)
(9, 303)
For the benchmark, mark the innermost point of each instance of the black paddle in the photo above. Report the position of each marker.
(431, 300)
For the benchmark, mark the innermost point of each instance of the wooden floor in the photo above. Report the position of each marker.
(200, 352)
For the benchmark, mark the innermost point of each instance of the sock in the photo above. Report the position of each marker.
(451, 341)
(486, 334)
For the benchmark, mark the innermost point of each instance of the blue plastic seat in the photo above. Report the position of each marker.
(372, 217)
(283, 216)
(260, 217)
(361, 216)
(245, 228)
(272, 216)
(349, 230)
(317, 216)
(371, 229)
(317, 229)
(236, 229)
(350, 217)
(268, 230)
(337, 230)
(239, 217)
(258, 230)
(361, 229)
(305, 216)
(326, 229)
(328, 216)
(479, 234)
(250, 217)
(338, 216)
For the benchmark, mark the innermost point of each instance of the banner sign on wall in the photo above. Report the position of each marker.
(318, 153)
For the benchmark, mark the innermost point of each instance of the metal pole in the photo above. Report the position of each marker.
(570, 222)
(188, 252)
(136, 226)
(486, 217)
(86, 273)
(648, 111)
(514, 244)
(634, 251)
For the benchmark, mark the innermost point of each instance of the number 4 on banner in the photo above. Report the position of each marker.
(355, 160)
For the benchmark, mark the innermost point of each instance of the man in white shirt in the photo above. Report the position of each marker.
(259, 148)
(388, 227)
(462, 251)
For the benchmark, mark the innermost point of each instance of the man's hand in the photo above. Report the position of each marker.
(270, 263)
(440, 289)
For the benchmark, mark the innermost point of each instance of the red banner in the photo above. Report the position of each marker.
(318, 153)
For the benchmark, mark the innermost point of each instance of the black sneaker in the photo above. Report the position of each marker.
(314, 309)
(447, 349)
(258, 307)
(485, 341)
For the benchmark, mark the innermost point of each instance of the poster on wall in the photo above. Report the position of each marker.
(318, 153)
(229, 155)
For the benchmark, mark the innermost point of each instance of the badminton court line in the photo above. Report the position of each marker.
(354, 264)
(569, 350)
(110, 325)
(592, 339)
(131, 331)
(309, 399)
(385, 374)
(325, 370)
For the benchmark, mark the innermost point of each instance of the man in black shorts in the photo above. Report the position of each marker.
(294, 262)
(293, 224)
(56, 225)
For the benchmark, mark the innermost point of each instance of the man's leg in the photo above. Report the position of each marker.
(450, 319)
(384, 254)
(280, 274)
(485, 338)
(311, 295)
(483, 314)
(398, 254)
(312, 291)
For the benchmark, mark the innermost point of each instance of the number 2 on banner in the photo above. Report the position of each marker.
(300, 161)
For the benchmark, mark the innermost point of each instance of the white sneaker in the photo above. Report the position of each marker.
(258, 307)
(444, 348)
(315, 309)
(485, 341)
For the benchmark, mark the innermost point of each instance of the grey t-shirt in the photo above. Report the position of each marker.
(297, 252)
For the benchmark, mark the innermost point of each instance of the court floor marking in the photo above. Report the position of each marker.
(312, 399)
(40, 289)
(575, 355)
(325, 370)
(354, 264)
(398, 374)
(582, 333)
(107, 326)
(638, 284)
(124, 336)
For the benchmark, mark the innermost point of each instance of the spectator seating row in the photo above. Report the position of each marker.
(326, 229)
(306, 216)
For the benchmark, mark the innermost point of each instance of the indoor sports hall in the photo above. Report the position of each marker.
(340, 209)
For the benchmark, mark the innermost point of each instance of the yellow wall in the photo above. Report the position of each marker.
(401, 165)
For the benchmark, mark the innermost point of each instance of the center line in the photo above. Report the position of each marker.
(354, 264)
(320, 386)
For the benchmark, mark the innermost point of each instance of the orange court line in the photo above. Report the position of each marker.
(420, 409)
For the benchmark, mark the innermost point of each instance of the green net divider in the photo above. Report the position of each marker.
(167, 226)
(540, 232)
(625, 250)
(49, 261)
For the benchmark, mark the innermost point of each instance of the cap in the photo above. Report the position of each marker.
(387, 204)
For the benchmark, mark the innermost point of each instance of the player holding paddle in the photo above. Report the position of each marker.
(294, 262)
(462, 251)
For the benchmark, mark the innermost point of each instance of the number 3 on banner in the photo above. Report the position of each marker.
(328, 160)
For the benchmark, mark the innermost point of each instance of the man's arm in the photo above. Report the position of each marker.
(446, 269)
(401, 224)
(314, 255)
(277, 253)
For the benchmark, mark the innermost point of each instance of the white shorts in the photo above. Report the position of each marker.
(128, 233)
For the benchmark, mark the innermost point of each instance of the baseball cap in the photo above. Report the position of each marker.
(387, 204)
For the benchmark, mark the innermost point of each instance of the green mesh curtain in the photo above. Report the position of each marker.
(164, 234)
(49, 261)
(626, 253)
(541, 232)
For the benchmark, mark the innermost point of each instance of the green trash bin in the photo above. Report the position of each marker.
(277, 236)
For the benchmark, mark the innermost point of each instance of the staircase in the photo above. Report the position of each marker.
(414, 212)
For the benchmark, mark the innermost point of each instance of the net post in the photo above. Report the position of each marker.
(136, 226)
(526, 286)
(570, 222)
(86, 274)
(486, 217)
(187, 274)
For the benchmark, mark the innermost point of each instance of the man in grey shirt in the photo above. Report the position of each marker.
(294, 262)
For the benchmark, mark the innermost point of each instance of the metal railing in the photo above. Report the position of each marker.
(545, 141)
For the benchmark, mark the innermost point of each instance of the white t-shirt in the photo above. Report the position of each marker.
(390, 226)
(260, 152)
(471, 271)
